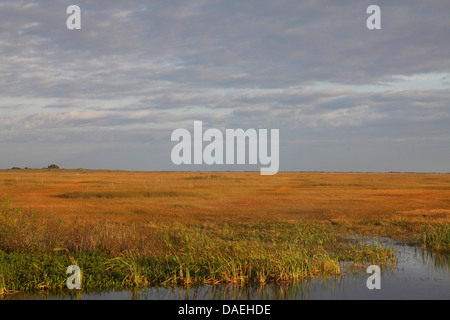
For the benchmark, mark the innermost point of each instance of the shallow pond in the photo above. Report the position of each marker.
(417, 275)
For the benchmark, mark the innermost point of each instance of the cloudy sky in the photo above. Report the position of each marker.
(108, 96)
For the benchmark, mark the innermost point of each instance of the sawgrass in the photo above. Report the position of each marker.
(171, 255)
(437, 238)
(133, 229)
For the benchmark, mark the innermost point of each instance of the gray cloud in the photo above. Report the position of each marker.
(137, 70)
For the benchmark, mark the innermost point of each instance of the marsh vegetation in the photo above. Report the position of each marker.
(138, 229)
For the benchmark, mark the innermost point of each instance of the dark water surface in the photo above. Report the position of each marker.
(417, 275)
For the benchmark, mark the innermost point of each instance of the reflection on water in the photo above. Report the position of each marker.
(417, 275)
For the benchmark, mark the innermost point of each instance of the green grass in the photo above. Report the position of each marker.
(437, 238)
(34, 254)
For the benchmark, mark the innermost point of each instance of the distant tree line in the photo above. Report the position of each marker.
(52, 166)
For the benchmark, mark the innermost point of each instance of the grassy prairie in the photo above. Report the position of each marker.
(130, 229)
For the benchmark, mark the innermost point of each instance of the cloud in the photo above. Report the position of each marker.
(157, 65)
(216, 44)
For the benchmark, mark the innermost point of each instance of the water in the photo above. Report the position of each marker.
(417, 275)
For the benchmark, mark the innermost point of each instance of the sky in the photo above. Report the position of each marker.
(108, 96)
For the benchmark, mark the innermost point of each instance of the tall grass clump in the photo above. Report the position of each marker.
(19, 229)
(276, 252)
(436, 238)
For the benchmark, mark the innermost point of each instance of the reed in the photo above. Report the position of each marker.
(186, 255)
(436, 238)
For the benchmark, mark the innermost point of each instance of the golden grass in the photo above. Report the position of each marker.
(181, 228)
(399, 205)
